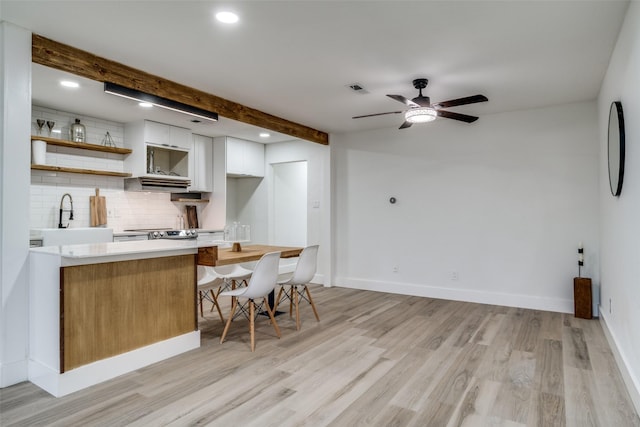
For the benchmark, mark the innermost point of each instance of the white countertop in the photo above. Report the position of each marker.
(97, 253)
(95, 250)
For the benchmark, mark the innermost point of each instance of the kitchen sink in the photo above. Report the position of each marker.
(72, 236)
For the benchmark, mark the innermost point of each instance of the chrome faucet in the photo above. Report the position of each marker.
(63, 210)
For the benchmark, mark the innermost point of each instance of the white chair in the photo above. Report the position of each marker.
(262, 282)
(232, 275)
(213, 280)
(209, 284)
(297, 284)
(220, 278)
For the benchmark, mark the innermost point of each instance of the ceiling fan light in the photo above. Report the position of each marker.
(420, 115)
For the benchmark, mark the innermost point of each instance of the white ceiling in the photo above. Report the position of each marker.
(294, 59)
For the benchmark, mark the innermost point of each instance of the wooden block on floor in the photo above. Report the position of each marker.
(582, 297)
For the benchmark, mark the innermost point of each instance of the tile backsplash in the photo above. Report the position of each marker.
(125, 210)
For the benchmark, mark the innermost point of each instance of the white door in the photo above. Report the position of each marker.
(290, 203)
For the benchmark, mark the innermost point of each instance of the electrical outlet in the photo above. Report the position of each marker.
(396, 268)
(454, 276)
(109, 213)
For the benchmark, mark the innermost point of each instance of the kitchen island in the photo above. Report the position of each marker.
(97, 311)
(100, 310)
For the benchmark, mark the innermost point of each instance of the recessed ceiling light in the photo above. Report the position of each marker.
(145, 104)
(227, 17)
(264, 135)
(69, 83)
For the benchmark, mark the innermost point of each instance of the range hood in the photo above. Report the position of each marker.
(157, 183)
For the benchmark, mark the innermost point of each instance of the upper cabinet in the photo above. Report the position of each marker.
(159, 149)
(244, 158)
(202, 164)
(167, 135)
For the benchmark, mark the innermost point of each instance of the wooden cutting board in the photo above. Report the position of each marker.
(98, 209)
(192, 217)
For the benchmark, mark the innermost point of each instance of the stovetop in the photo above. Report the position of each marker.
(173, 234)
(167, 233)
(147, 230)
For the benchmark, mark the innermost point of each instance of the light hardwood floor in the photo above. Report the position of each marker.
(374, 359)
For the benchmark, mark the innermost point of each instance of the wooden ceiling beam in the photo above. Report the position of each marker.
(57, 55)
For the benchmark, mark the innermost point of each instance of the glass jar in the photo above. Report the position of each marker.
(78, 132)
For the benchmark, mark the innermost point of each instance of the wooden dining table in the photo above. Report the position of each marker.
(214, 256)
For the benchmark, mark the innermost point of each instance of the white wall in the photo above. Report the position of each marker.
(290, 203)
(318, 196)
(620, 217)
(15, 101)
(501, 203)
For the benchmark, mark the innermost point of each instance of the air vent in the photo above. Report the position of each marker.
(357, 88)
(154, 183)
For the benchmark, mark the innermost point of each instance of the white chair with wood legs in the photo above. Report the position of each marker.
(218, 279)
(297, 284)
(232, 275)
(262, 282)
(209, 288)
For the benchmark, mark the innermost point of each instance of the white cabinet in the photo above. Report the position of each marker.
(235, 156)
(156, 133)
(202, 179)
(210, 236)
(244, 158)
(167, 135)
(123, 237)
(159, 149)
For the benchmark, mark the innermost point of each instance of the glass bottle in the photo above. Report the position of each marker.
(78, 132)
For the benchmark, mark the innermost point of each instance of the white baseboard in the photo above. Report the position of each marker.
(76, 379)
(13, 373)
(632, 383)
(319, 278)
(469, 295)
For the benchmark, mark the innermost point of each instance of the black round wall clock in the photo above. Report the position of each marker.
(615, 145)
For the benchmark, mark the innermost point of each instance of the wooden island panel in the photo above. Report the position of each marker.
(111, 308)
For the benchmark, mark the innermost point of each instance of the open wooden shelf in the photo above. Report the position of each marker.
(82, 171)
(81, 145)
(190, 200)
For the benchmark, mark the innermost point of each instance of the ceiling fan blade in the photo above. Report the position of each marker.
(422, 101)
(457, 116)
(404, 100)
(461, 101)
(377, 114)
(405, 125)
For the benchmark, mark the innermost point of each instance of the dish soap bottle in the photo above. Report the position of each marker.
(78, 132)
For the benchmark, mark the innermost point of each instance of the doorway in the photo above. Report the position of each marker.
(290, 203)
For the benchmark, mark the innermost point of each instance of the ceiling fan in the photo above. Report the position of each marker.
(421, 110)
